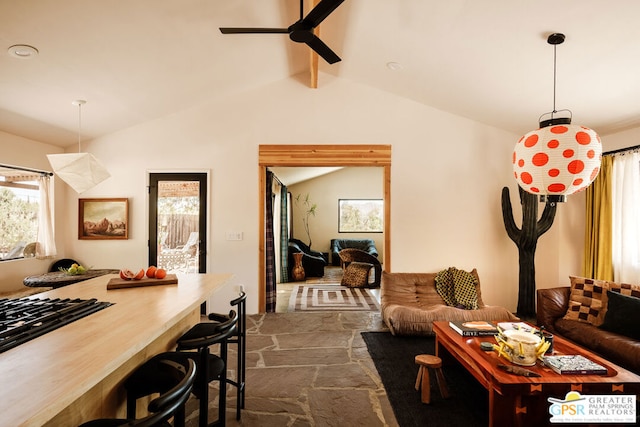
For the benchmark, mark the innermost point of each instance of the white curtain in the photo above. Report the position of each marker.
(46, 247)
(626, 217)
(277, 188)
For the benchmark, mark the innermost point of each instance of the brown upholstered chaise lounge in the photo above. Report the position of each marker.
(410, 304)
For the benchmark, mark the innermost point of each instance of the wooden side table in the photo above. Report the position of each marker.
(426, 362)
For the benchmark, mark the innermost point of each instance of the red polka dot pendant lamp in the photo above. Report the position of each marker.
(558, 159)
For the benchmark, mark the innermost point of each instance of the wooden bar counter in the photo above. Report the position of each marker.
(73, 374)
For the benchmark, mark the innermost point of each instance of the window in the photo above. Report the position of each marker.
(178, 221)
(360, 216)
(625, 213)
(19, 204)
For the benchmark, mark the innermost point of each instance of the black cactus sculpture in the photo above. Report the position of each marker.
(526, 239)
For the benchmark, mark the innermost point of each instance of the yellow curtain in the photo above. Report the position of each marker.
(598, 263)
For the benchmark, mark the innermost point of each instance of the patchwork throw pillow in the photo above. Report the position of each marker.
(619, 288)
(623, 314)
(444, 287)
(587, 300)
(624, 289)
(464, 285)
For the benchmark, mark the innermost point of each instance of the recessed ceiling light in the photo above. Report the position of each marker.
(394, 66)
(23, 51)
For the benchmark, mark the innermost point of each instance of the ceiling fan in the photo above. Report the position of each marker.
(302, 30)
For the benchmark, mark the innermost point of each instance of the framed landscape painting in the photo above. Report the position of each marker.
(103, 219)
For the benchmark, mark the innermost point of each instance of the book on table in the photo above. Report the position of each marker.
(474, 328)
(519, 326)
(574, 365)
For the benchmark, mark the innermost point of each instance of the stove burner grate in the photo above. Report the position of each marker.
(24, 319)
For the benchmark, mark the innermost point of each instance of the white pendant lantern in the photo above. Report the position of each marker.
(558, 159)
(81, 171)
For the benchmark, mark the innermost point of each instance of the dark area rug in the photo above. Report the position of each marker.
(394, 359)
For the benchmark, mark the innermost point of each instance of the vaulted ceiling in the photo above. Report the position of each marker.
(488, 60)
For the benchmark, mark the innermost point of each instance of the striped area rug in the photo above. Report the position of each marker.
(331, 298)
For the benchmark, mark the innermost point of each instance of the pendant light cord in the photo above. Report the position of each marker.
(80, 126)
(555, 39)
(79, 103)
(554, 81)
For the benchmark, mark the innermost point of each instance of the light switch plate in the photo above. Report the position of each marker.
(234, 235)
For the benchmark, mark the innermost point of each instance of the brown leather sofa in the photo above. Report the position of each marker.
(552, 305)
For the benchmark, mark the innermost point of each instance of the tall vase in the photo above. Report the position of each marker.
(298, 271)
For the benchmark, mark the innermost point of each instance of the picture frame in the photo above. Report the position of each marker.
(360, 215)
(103, 219)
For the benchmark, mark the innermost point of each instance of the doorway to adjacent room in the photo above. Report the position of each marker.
(318, 156)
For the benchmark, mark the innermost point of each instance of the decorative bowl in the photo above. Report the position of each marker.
(74, 270)
(520, 347)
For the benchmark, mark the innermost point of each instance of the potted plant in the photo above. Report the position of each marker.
(309, 209)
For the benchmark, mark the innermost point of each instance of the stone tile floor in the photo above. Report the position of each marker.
(307, 369)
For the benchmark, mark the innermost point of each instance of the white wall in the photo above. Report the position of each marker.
(447, 175)
(346, 183)
(628, 138)
(446, 179)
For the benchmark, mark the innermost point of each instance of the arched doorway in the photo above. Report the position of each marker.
(321, 155)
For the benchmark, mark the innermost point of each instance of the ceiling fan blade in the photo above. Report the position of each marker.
(320, 12)
(254, 30)
(322, 49)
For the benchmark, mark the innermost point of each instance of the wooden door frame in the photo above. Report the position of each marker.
(321, 155)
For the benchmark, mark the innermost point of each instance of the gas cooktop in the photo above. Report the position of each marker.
(24, 319)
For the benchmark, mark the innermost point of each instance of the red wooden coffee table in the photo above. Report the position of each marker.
(517, 400)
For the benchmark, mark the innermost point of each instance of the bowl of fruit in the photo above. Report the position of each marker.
(74, 270)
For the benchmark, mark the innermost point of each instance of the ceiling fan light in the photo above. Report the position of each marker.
(301, 31)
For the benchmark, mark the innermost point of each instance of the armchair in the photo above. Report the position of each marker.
(367, 245)
(352, 255)
(312, 261)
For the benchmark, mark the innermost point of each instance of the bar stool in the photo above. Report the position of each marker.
(239, 338)
(211, 367)
(177, 376)
(426, 362)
